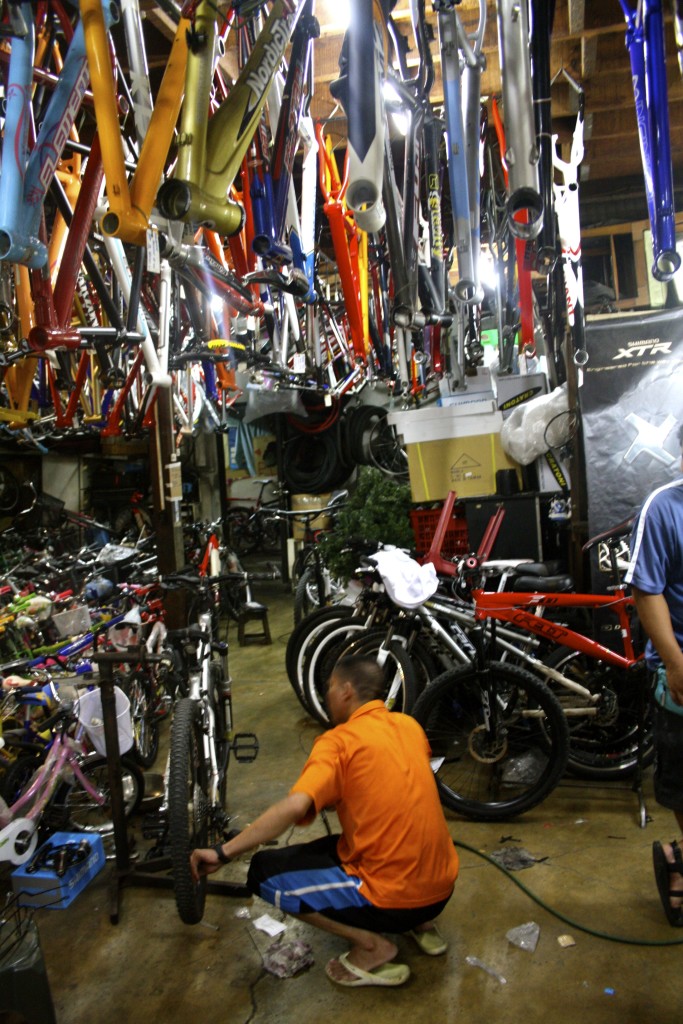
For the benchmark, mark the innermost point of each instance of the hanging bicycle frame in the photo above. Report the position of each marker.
(645, 42)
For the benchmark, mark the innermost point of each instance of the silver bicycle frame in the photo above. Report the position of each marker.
(522, 154)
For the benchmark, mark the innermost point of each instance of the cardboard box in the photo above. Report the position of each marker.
(44, 888)
(301, 503)
(548, 468)
(436, 423)
(265, 456)
(453, 448)
(517, 388)
(466, 465)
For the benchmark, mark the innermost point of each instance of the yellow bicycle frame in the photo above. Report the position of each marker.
(210, 152)
(130, 206)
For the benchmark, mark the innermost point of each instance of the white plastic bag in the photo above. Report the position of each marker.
(523, 432)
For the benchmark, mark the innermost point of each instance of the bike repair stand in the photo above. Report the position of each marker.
(126, 871)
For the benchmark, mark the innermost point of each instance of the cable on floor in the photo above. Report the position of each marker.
(563, 917)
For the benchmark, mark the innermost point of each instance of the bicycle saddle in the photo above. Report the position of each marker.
(296, 283)
(544, 584)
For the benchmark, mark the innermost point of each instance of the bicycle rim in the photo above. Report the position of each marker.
(301, 636)
(188, 808)
(145, 722)
(78, 811)
(496, 773)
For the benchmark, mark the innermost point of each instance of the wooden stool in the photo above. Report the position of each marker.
(253, 610)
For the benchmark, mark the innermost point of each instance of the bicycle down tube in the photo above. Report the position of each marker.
(210, 153)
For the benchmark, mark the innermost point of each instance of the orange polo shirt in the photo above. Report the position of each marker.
(375, 771)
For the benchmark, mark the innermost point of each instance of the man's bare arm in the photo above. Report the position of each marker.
(654, 614)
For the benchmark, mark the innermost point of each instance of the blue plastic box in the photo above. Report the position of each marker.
(43, 888)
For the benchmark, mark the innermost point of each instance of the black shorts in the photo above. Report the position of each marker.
(308, 878)
(668, 779)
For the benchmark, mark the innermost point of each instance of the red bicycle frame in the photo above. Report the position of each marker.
(512, 607)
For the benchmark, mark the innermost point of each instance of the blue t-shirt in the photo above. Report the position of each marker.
(656, 565)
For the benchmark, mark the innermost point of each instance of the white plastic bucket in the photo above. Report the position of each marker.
(90, 717)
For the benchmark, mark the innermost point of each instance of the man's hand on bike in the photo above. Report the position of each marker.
(674, 681)
(203, 862)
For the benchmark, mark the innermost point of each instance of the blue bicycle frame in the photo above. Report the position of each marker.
(645, 43)
(270, 189)
(25, 179)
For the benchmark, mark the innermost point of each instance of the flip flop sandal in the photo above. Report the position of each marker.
(387, 975)
(663, 870)
(430, 942)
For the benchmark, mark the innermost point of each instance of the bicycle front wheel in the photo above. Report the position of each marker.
(188, 808)
(499, 739)
(139, 689)
(313, 592)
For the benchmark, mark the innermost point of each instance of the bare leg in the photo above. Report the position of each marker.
(368, 949)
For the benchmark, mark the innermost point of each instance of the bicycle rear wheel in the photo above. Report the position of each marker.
(188, 808)
(617, 740)
(242, 533)
(494, 771)
(75, 810)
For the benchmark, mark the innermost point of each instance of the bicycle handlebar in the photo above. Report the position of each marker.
(241, 578)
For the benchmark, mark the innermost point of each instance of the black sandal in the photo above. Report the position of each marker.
(663, 869)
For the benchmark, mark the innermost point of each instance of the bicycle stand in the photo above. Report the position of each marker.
(126, 871)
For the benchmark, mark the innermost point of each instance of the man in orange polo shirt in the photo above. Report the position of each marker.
(393, 868)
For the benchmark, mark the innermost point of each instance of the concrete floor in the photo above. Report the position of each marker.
(593, 866)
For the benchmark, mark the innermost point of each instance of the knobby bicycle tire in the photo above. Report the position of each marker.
(496, 774)
(188, 808)
(73, 809)
(605, 745)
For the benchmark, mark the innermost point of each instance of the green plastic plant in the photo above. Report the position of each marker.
(377, 510)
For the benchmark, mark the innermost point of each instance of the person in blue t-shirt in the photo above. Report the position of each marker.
(655, 574)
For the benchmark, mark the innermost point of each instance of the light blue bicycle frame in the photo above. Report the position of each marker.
(25, 178)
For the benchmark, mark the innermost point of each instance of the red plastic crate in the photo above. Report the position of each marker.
(424, 522)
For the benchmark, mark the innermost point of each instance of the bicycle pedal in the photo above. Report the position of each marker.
(245, 746)
(154, 827)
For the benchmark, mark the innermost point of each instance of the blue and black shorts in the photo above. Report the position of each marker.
(308, 879)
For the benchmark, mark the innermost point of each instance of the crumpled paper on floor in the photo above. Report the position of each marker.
(285, 959)
(513, 858)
